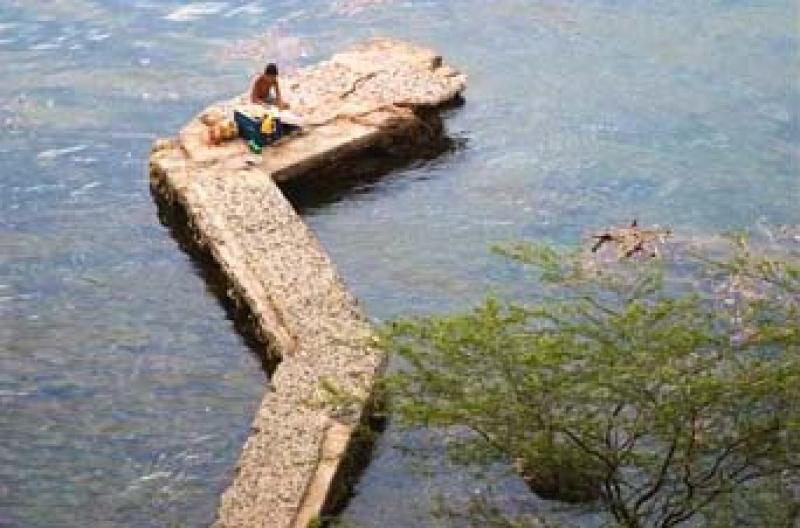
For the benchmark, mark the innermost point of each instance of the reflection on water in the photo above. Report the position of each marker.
(124, 392)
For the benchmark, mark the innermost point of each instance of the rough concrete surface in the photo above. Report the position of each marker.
(370, 94)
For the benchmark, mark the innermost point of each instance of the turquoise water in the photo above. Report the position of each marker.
(125, 392)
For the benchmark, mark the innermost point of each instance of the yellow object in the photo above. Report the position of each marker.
(229, 130)
(268, 124)
(223, 130)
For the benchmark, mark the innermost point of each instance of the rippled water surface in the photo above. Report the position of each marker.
(125, 392)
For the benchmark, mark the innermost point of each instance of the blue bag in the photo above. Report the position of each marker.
(250, 129)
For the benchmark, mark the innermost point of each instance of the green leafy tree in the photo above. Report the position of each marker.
(666, 390)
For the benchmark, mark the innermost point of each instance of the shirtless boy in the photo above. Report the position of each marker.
(266, 90)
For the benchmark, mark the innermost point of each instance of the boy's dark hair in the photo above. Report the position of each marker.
(271, 69)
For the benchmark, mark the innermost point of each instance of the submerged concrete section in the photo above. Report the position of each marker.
(293, 463)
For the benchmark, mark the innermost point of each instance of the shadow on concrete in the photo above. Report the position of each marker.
(359, 173)
(174, 218)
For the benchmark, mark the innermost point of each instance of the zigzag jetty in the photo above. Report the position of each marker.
(303, 448)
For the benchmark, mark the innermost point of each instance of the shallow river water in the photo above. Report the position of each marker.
(125, 392)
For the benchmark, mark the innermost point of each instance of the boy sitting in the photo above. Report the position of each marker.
(266, 89)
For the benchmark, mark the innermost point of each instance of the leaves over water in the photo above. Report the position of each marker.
(626, 383)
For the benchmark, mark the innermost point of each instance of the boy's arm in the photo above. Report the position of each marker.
(278, 99)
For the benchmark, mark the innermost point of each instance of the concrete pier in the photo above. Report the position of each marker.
(295, 461)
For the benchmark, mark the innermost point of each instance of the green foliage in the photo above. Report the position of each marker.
(662, 389)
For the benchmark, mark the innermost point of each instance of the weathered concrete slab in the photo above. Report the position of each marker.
(371, 94)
